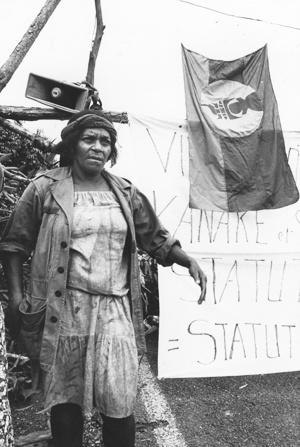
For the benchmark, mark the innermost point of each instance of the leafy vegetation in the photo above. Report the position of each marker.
(21, 162)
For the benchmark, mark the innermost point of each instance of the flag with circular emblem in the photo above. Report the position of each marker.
(237, 153)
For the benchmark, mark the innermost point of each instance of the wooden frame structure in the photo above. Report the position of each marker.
(37, 113)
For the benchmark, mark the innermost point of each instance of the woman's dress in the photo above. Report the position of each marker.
(96, 362)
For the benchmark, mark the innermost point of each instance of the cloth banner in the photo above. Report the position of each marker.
(237, 152)
(250, 321)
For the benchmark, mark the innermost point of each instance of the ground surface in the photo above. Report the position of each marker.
(251, 411)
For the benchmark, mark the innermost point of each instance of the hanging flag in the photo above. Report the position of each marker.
(237, 154)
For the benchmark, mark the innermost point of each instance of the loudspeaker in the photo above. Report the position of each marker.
(60, 95)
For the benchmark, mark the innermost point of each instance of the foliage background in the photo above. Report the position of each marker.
(21, 162)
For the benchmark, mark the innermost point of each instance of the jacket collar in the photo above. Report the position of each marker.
(62, 189)
(59, 173)
(114, 180)
(65, 172)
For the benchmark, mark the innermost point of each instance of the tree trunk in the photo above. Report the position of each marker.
(96, 43)
(16, 57)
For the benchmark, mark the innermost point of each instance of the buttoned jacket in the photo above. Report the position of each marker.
(40, 226)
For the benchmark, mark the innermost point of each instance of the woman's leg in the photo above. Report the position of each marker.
(67, 425)
(118, 432)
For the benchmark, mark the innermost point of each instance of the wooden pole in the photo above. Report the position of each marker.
(96, 43)
(39, 142)
(8, 69)
(34, 113)
(20, 113)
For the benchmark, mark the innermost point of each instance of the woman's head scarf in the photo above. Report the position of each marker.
(84, 120)
(89, 119)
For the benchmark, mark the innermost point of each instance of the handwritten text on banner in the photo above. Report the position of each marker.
(250, 321)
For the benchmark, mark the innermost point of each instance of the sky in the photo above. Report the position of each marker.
(139, 67)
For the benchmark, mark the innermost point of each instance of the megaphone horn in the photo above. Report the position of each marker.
(61, 95)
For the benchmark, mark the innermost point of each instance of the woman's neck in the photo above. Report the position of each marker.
(83, 182)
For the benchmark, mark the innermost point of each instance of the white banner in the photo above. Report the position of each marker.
(250, 321)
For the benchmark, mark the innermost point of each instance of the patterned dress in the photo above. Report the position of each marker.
(96, 363)
(6, 432)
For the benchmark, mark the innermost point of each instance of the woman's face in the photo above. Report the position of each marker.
(92, 150)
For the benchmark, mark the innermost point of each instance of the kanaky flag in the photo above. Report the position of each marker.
(237, 154)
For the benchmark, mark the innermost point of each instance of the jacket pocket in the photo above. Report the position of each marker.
(43, 252)
(31, 333)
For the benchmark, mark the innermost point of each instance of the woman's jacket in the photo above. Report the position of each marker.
(40, 226)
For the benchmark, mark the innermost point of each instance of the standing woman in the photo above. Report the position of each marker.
(84, 225)
(6, 431)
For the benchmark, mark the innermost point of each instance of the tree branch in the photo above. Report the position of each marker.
(17, 56)
(39, 142)
(96, 43)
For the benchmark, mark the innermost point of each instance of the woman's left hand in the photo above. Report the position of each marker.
(179, 256)
(199, 277)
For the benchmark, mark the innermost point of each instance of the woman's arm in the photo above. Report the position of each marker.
(153, 238)
(178, 256)
(16, 245)
(19, 239)
(13, 270)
